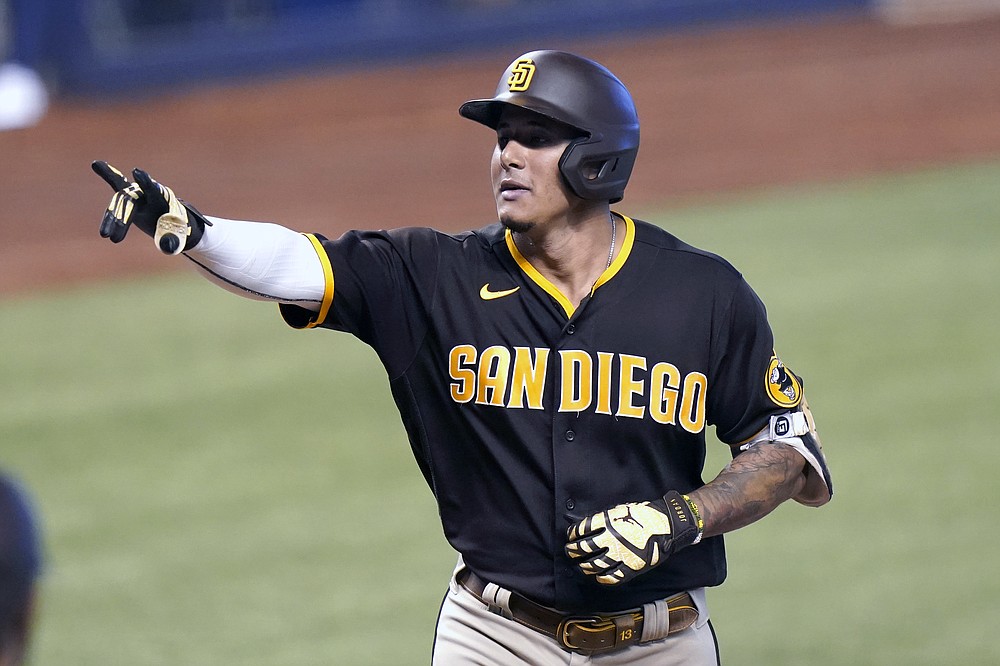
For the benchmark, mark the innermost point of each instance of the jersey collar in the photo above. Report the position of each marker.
(551, 289)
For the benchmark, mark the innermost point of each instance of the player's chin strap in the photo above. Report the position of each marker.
(798, 430)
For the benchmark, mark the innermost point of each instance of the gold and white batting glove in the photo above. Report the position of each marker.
(624, 541)
(152, 207)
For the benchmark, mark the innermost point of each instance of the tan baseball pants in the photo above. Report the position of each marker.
(469, 634)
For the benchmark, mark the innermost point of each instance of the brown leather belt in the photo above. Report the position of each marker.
(582, 633)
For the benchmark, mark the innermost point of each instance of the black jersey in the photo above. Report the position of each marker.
(526, 414)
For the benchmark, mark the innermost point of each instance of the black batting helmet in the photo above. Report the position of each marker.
(580, 93)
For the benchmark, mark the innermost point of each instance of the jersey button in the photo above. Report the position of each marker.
(570, 435)
(571, 329)
(570, 504)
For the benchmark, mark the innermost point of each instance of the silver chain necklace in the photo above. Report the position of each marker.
(611, 252)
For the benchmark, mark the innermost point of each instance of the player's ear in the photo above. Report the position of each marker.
(594, 169)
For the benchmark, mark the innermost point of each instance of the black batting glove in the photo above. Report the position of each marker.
(624, 541)
(174, 225)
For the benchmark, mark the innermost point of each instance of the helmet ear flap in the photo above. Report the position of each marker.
(606, 168)
(594, 174)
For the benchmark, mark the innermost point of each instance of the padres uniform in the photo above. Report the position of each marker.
(542, 423)
(525, 414)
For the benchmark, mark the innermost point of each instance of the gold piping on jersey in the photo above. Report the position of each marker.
(537, 277)
(619, 261)
(550, 288)
(324, 259)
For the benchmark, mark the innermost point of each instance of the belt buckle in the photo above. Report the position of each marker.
(591, 624)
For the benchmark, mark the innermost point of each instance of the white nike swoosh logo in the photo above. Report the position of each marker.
(488, 295)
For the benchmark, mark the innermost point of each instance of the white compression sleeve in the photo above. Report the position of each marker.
(260, 260)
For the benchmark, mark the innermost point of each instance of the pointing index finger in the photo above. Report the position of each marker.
(150, 188)
(112, 176)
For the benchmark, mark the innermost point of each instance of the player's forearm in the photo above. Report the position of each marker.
(750, 487)
(260, 261)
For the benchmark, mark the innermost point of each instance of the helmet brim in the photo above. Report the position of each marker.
(488, 112)
(484, 111)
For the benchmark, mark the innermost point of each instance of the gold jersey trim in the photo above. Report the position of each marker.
(619, 261)
(551, 289)
(324, 259)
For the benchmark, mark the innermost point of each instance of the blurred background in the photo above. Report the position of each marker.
(216, 488)
(100, 46)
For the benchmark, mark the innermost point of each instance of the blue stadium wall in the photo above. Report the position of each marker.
(132, 47)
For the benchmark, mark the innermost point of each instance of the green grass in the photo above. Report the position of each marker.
(884, 295)
(219, 489)
(216, 488)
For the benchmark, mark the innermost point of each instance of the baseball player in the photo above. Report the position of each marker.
(555, 373)
(20, 561)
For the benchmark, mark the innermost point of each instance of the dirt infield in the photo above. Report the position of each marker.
(722, 111)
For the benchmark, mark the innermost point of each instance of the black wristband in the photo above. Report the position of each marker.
(686, 526)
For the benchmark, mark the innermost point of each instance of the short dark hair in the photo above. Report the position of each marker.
(20, 564)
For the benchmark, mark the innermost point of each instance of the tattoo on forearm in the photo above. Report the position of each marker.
(750, 487)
